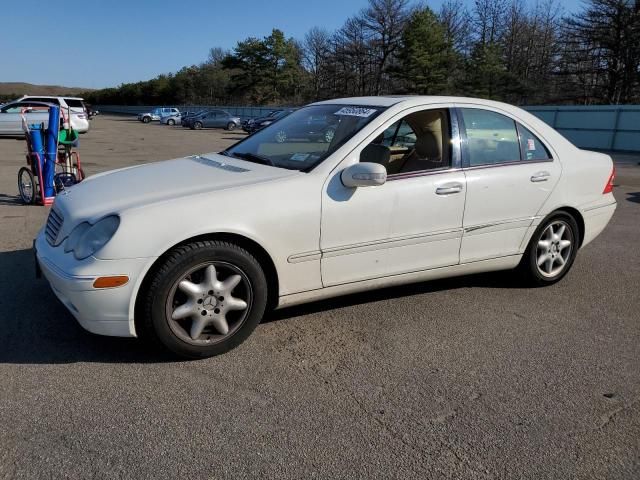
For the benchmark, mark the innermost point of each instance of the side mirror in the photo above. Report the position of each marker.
(364, 174)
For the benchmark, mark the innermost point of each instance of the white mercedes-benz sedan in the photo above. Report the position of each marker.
(189, 253)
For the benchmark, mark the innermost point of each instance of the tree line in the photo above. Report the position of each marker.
(508, 50)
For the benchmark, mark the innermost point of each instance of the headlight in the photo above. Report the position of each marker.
(75, 236)
(87, 239)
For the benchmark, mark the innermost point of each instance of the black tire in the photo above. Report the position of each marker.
(529, 269)
(197, 125)
(26, 179)
(146, 119)
(231, 126)
(156, 326)
(171, 122)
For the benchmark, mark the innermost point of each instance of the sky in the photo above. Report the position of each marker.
(103, 43)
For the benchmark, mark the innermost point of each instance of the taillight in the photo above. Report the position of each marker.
(608, 188)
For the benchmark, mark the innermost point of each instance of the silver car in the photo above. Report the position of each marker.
(157, 113)
(11, 116)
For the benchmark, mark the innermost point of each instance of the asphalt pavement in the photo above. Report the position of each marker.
(472, 377)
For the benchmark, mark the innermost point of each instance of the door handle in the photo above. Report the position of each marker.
(449, 188)
(540, 177)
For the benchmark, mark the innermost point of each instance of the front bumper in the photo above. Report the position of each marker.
(104, 311)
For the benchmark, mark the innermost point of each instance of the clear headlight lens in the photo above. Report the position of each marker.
(95, 237)
(75, 236)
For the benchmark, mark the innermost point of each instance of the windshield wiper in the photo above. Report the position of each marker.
(251, 157)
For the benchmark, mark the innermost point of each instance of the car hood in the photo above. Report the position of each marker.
(131, 187)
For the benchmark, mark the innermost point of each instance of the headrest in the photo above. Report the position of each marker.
(374, 153)
(427, 146)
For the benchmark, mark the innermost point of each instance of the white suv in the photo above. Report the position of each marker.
(73, 106)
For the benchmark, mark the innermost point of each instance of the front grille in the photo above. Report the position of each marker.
(54, 225)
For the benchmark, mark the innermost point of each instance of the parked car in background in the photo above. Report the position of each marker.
(315, 127)
(192, 252)
(72, 106)
(255, 124)
(172, 119)
(247, 125)
(189, 115)
(91, 112)
(11, 116)
(176, 118)
(156, 114)
(213, 119)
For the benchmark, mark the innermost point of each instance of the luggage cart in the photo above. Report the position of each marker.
(68, 169)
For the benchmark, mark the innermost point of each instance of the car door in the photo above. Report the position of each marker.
(413, 222)
(222, 118)
(510, 173)
(209, 119)
(11, 117)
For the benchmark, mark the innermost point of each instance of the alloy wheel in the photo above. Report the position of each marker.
(554, 249)
(209, 303)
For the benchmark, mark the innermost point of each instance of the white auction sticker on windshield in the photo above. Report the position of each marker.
(356, 111)
(299, 157)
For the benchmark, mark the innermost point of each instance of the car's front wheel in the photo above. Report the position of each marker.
(197, 125)
(231, 126)
(171, 122)
(552, 250)
(146, 119)
(205, 299)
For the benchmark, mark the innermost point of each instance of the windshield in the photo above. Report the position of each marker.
(304, 138)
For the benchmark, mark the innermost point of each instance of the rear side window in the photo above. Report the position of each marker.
(532, 148)
(491, 137)
(74, 103)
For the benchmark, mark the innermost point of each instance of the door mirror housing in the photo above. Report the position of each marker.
(364, 174)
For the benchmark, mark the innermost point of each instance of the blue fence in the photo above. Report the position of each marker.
(601, 127)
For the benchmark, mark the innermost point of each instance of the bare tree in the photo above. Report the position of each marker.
(456, 21)
(316, 50)
(384, 21)
(602, 51)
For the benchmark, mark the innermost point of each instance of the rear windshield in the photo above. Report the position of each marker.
(74, 103)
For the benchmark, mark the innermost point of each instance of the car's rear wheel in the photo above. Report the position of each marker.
(27, 186)
(171, 122)
(552, 250)
(205, 299)
(231, 126)
(197, 125)
(146, 119)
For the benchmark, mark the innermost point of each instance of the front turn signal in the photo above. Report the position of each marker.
(110, 282)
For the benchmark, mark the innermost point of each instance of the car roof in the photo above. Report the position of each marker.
(411, 100)
(50, 96)
(25, 100)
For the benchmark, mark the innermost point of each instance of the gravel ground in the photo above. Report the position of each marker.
(472, 377)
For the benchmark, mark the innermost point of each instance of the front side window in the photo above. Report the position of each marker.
(12, 108)
(491, 137)
(304, 138)
(20, 107)
(418, 142)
